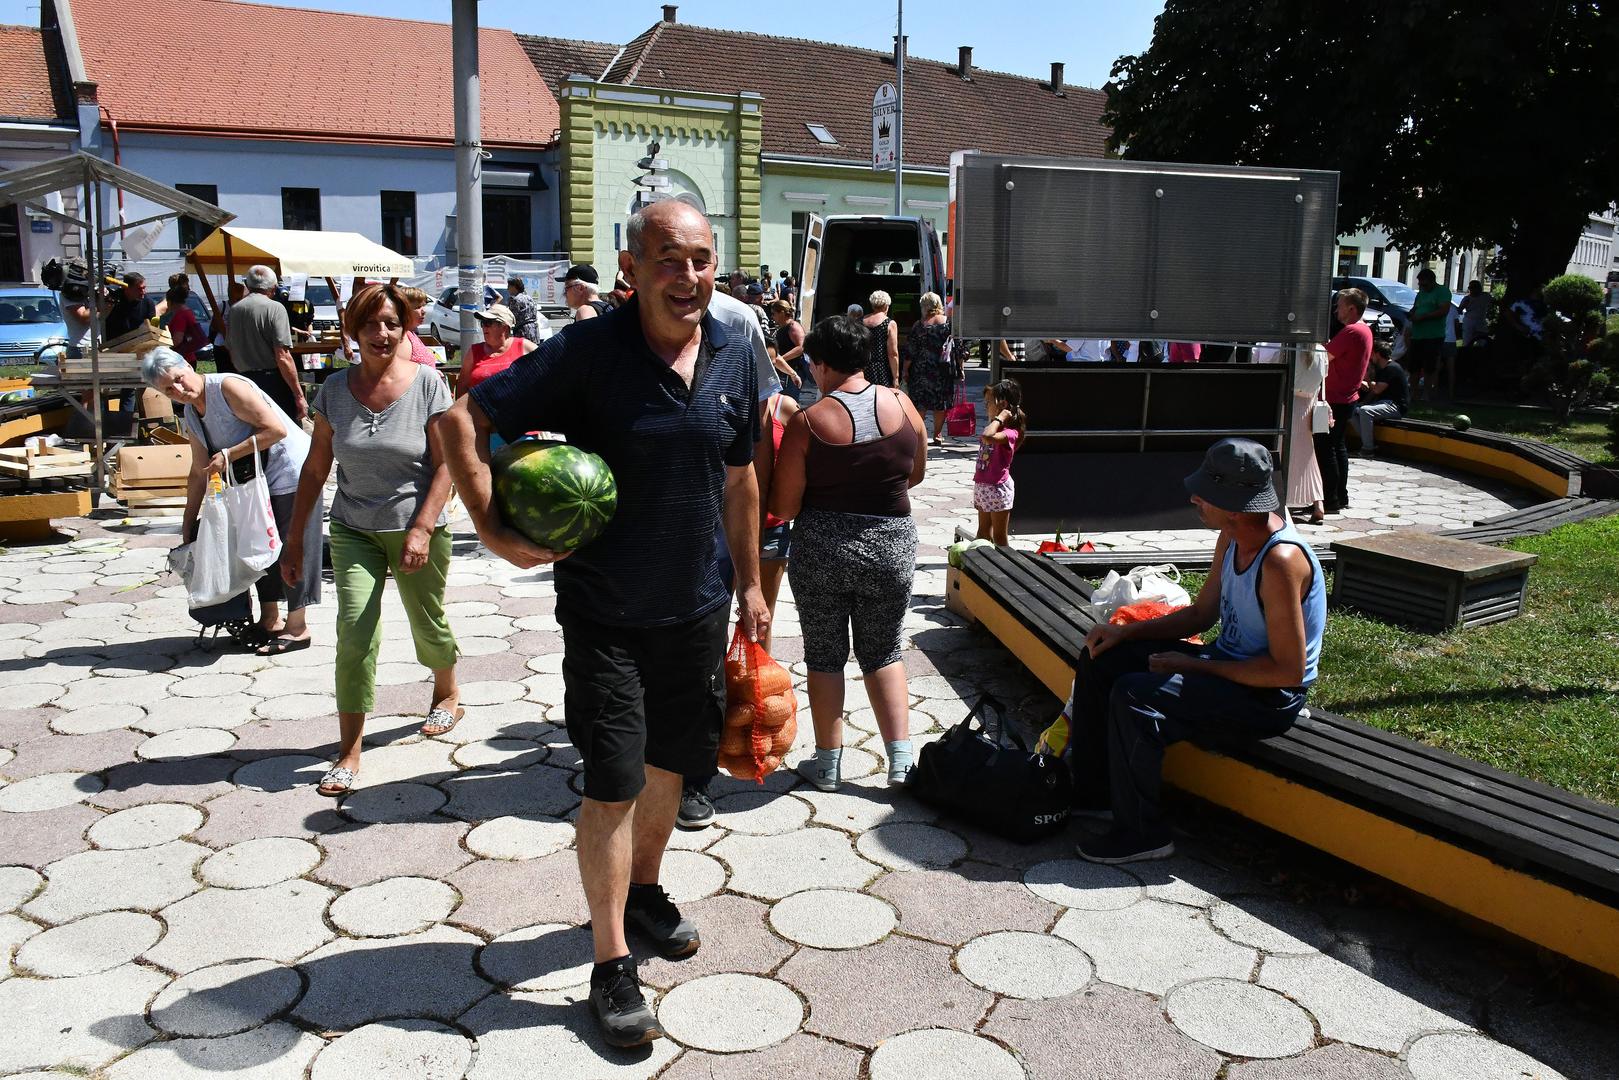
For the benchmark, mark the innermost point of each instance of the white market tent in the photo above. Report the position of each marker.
(329, 255)
(290, 251)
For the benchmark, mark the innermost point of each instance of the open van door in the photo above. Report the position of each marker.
(807, 274)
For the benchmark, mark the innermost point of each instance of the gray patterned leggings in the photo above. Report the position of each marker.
(851, 570)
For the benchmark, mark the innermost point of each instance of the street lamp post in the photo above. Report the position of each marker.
(899, 114)
(468, 168)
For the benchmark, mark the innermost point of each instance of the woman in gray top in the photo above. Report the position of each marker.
(376, 421)
(227, 417)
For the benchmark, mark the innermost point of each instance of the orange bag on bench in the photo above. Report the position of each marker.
(761, 712)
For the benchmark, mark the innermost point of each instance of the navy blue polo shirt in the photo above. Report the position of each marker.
(599, 384)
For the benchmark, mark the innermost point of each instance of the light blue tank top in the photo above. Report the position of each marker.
(1242, 616)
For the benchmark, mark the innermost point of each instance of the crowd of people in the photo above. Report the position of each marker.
(727, 481)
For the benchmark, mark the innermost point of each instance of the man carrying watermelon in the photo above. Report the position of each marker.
(667, 396)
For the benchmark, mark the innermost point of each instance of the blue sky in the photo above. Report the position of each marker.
(1086, 35)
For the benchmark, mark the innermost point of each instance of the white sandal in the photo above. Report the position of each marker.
(336, 777)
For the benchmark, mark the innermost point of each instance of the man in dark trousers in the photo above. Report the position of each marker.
(260, 338)
(1142, 686)
(1385, 395)
(668, 397)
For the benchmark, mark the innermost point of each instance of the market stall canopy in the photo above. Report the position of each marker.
(292, 251)
(73, 172)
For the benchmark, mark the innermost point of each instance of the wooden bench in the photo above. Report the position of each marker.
(1526, 462)
(1536, 861)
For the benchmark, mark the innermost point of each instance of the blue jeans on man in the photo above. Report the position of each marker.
(1368, 414)
(1124, 718)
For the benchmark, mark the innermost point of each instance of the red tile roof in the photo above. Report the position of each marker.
(814, 82)
(557, 58)
(25, 79)
(225, 68)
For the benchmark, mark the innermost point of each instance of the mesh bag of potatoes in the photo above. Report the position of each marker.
(761, 712)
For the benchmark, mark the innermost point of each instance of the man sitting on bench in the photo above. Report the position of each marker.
(1140, 687)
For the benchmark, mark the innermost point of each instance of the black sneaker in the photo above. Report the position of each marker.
(621, 1012)
(1123, 847)
(696, 808)
(650, 911)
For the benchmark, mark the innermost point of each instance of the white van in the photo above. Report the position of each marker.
(847, 257)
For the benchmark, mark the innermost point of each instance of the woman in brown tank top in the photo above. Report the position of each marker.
(845, 470)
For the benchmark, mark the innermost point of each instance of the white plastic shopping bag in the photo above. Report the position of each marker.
(206, 563)
(1160, 583)
(257, 543)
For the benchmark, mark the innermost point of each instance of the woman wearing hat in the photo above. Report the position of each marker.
(496, 352)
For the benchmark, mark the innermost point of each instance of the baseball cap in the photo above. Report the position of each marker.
(496, 313)
(581, 272)
(1236, 477)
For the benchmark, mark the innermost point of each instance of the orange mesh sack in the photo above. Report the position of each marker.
(1145, 610)
(758, 699)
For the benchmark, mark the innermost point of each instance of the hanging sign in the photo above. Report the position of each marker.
(884, 119)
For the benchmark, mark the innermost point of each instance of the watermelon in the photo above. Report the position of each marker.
(557, 495)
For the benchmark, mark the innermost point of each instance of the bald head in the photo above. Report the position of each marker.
(667, 215)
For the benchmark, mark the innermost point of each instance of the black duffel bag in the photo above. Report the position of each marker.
(1009, 790)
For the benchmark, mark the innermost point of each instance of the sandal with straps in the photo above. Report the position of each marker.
(441, 721)
(337, 782)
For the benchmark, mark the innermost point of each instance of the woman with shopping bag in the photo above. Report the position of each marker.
(931, 372)
(240, 435)
(376, 422)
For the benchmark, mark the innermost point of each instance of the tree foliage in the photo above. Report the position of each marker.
(1451, 124)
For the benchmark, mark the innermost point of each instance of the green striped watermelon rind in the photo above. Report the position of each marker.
(557, 495)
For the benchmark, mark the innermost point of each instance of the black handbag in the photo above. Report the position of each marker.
(1010, 790)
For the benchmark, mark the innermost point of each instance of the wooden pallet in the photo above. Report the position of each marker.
(33, 462)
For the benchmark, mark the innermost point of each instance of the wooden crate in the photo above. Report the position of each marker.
(1431, 583)
(139, 341)
(35, 462)
(25, 516)
(123, 365)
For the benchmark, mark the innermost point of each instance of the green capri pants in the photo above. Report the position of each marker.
(361, 563)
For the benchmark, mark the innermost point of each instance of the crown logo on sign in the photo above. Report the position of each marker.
(882, 129)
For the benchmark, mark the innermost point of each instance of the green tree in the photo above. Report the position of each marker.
(1451, 124)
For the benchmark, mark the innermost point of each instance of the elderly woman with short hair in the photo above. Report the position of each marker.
(882, 367)
(226, 417)
(376, 421)
(931, 372)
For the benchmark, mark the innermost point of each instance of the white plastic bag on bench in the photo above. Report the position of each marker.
(1160, 583)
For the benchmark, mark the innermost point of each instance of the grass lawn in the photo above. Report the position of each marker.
(1537, 695)
(1585, 435)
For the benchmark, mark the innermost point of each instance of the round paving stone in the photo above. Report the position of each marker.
(1240, 1018)
(1274, 925)
(519, 838)
(267, 860)
(389, 803)
(761, 813)
(490, 693)
(499, 754)
(550, 956)
(184, 743)
(691, 875)
(210, 685)
(17, 884)
(296, 706)
(396, 1050)
(1024, 965)
(48, 791)
(226, 998)
(729, 1013)
(942, 1054)
(1088, 886)
(393, 906)
(32, 695)
(92, 945)
(910, 846)
(145, 826)
(1455, 1055)
(832, 919)
(40, 596)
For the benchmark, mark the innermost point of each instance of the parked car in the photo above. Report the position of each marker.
(444, 320)
(1380, 323)
(29, 317)
(319, 295)
(1393, 298)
